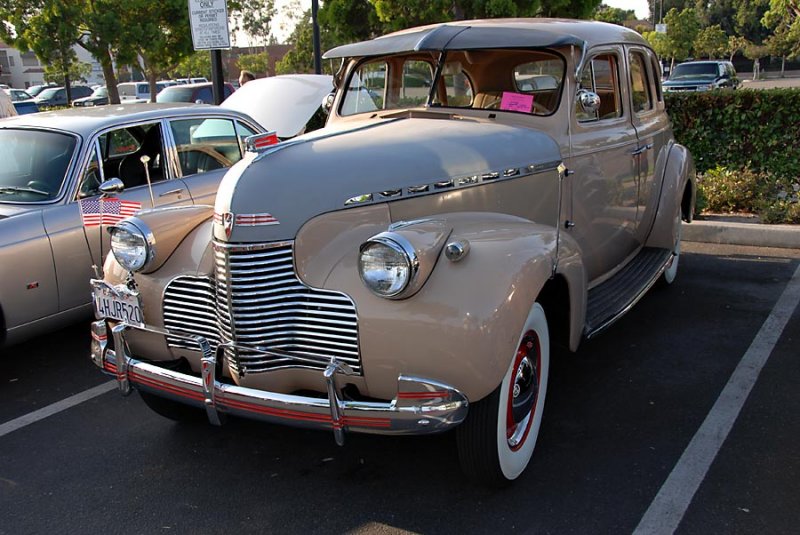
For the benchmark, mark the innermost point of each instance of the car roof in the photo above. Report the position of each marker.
(492, 33)
(85, 121)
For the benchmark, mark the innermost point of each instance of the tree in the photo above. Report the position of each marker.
(613, 15)
(100, 30)
(158, 34)
(194, 65)
(659, 42)
(255, 63)
(735, 44)
(682, 29)
(48, 28)
(659, 8)
(784, 16)
(301, 57)
(756, 52)
(348, 21)
(254, 17)
(79, 71)
(711, 42)
(780, 44)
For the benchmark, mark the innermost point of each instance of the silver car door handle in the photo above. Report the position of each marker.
(172, 192)
(641, 149)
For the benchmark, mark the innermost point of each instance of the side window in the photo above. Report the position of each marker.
(92, 177)
(124, 152)
(367, 89)
(657, 75)
(205, 95)
(457, 85)
(601, 76)
(416, 85)
(205, 144)
(243, 131)
(640, 87)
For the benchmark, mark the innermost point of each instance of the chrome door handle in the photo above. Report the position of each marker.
(172, 192)
(641, 149)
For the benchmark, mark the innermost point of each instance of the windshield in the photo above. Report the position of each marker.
(519, 81)
(175, 94)
(35, 164)
(100, 92)
(691, 70)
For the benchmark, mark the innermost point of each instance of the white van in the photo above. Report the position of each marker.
(137, 91)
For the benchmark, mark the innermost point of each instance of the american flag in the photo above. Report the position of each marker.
(108, 211)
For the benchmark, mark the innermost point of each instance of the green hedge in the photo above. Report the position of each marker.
(746, 146)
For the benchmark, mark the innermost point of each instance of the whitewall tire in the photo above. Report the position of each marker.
(668, 277)
(496, 441)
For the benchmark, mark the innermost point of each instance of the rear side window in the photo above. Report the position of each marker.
(601, 75)
(640, 86)
(205, 144)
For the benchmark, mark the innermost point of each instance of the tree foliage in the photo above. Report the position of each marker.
(614, 15)
(682, 29)
(784, 17)
(254, 17)
(255, 63)
(711, 42)
(194, 65)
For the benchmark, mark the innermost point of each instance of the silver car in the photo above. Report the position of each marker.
(51, 161)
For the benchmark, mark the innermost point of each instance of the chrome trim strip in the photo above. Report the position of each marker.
(508, 173)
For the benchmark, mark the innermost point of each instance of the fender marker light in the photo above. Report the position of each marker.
(261, 142)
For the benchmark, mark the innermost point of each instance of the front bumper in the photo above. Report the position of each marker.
(422, 406)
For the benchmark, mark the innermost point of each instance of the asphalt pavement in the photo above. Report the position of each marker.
(620, 417)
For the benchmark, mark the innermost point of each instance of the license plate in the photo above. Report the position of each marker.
(120, 306)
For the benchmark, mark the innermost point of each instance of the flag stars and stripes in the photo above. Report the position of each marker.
(108, 211)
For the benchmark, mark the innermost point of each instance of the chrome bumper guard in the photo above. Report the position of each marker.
(422, 406)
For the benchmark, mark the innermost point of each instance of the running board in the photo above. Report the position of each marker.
(616, 296)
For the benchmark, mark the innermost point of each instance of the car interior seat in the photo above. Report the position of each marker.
(131, 168)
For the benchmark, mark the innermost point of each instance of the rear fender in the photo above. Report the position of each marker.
(678, 194)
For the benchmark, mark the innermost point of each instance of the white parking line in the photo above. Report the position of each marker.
(56, 407)
(673, 499)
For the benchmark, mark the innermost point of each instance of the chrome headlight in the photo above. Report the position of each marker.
(705, 87)
(133, 244)
(387, 264)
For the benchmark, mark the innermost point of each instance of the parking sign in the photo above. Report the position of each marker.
(209, 22)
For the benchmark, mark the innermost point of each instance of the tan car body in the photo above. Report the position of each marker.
(550, 207)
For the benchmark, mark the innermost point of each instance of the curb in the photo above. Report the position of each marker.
(752, 234)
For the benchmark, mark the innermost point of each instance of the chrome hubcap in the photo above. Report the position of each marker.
(524, 391)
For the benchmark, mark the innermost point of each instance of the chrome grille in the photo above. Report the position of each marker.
(263, 304)
(190, 307)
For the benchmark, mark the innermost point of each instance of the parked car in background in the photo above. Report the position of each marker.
(99, 97)
(482, 191)
(196, 93)
(702, 76)
(137, 91)
(57, 96)
(22, 101)
(53, 160)
(34, 90)
(184, 81)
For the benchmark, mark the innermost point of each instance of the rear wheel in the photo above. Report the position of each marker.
(496, 441)
(172, 409)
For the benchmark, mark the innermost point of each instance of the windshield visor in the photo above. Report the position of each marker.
(518, 81)
(35, 164)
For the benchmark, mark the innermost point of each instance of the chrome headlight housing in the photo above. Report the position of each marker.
(133, 244)
(387, 264)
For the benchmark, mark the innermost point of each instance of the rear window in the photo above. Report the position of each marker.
(175, 94)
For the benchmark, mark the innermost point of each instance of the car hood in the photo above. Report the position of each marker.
(9, 210)
(283, 104)
(297, 180)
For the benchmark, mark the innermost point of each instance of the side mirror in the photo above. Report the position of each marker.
(112, 186)
(327, 103)
(589, 101)
(199, 101)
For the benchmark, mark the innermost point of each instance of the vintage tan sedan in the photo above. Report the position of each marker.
(483, 191)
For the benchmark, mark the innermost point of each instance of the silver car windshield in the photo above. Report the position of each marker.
(35, 164)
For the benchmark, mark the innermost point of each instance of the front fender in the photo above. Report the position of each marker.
(463, 324)
(678, 194)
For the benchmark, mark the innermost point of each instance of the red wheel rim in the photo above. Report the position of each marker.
(523, 392)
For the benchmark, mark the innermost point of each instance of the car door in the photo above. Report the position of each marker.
(652, 130)
(604, 184)
(114, 153)
(204, 149)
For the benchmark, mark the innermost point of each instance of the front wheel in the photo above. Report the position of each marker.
(668, 277)
(496, 441)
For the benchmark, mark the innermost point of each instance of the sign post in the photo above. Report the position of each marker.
(209, 22)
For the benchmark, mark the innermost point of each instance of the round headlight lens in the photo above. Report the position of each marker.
(385, 267)
(130, 247)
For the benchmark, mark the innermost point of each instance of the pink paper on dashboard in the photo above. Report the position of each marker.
(516, 102)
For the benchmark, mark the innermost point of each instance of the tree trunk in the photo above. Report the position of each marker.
(151, 79)
(110, 77)
(67, 87)
(783, 66)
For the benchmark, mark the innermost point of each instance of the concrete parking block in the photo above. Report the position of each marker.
(753, 234)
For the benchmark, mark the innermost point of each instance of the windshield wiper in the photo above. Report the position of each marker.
(22, 189)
